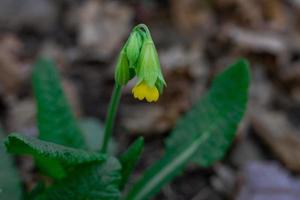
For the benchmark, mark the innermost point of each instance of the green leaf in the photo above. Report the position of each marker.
(88, 182)
(10, 185)
(50, 167)
(93, 131)
(129, 159)
(204, 134)
(39, 188)
(216, 116)
(56, 122)
(20, 144)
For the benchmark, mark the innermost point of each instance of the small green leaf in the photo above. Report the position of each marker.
(20, 144)
(129, 159)
(93, 131)
(204, 134)
(10, 184)
(88, 182)
(55, 120)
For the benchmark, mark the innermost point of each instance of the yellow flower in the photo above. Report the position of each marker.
(139, 58)
(142, 90)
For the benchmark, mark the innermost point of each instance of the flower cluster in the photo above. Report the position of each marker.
(139, 58)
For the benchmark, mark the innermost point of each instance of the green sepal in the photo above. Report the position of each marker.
(123, 74)
(148, 67)
(160, 86)
(133, 47)
(160, 83)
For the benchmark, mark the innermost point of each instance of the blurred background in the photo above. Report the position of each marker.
(195, 39)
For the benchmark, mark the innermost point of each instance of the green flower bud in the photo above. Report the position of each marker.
(123, 73)
(148, 66)
(133, 47)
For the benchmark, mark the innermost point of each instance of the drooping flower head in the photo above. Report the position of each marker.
(139, 58)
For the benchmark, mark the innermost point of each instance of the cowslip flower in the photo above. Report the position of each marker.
(139, 58)
(151, 81)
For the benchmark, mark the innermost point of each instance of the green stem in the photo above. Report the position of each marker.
(111, 115)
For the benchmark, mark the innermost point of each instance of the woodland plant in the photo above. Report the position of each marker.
(80, 170)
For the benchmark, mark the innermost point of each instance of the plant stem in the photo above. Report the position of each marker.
(111, 115)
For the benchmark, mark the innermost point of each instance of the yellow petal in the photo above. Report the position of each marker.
(152, 94)
(139, 91)
(142, 90)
